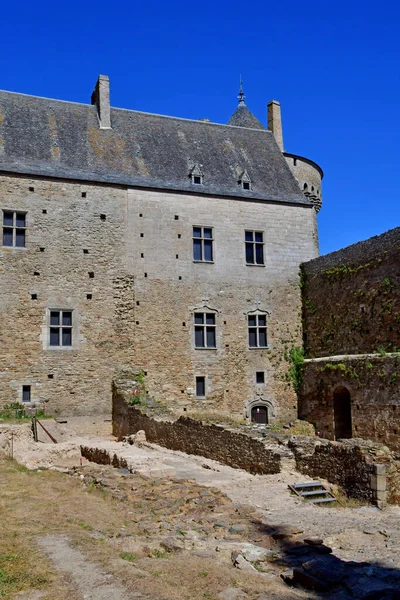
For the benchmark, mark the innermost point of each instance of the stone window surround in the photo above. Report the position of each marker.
(75, 329)
(205, 327)
(19, 390)
(258, 312)
(205, 309)
(22, 212)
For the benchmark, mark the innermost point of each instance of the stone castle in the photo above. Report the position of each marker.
(167, 244)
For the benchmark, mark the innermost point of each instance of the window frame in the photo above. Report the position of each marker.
(253, 245)
(204, 329)
(257, 328)
(201, 378)
(14, 227)
(28, 389)
(202, 239)
(260, 375)
(60, 328)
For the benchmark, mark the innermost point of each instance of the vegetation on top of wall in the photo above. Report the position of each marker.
(344, 369)
(295, 356)
(344, 270)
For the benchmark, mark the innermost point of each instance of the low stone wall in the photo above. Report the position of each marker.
(193, 437)
(364, 470)
(351, 465)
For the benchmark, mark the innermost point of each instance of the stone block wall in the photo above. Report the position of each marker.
(193, 437)
(170, 286)
(122, 261)
(373, 383)
(351, 298)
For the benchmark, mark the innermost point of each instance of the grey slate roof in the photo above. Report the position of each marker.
(45, 137)
(243, 117)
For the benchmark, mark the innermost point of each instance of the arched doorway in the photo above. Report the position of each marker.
(259, 414)
(342, 413)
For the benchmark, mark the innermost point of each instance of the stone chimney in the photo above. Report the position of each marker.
(101, 98)
(275, 122)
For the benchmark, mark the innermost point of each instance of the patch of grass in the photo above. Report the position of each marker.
(85, 526)
(128, 556)
(156, 553)
(346, 501)
(297, 428)
(203, 573)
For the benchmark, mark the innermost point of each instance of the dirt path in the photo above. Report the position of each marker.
(91, 582)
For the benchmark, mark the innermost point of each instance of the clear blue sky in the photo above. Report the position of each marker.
(334, 66)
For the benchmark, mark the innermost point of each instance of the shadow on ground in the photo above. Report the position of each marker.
(310, 564)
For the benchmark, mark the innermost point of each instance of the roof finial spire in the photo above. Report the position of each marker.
(241, 96)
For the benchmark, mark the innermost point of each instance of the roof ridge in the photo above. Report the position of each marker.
(142, 112)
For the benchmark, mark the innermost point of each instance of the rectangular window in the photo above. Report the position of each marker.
(61, 328)
(254, 241)
(14, 228)
(257, 331)
(26, 393)
(260, 377)
(203, 244)
(204, 330)
(200, 387)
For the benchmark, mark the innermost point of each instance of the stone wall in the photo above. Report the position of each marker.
(74, 259)
(122, 261)
(374, 386)
(193, 437)
(365, 471)
(347, 464)
(170, 286)
(351, 298)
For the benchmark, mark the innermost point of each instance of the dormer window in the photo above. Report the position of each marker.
(245, 181)
(196, 175)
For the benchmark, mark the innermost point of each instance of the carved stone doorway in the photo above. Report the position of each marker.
(259, 414)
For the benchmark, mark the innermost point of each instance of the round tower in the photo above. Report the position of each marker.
(306, 172)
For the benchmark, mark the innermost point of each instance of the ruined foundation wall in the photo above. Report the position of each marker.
(365, 471)
(347, 464)
(193, 437)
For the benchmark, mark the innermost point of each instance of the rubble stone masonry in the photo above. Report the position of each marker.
(351, 320)
(74, 248)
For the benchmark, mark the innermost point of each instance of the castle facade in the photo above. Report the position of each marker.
(167, 244)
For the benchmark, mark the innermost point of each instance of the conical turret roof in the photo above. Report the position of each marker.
(243, 117)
